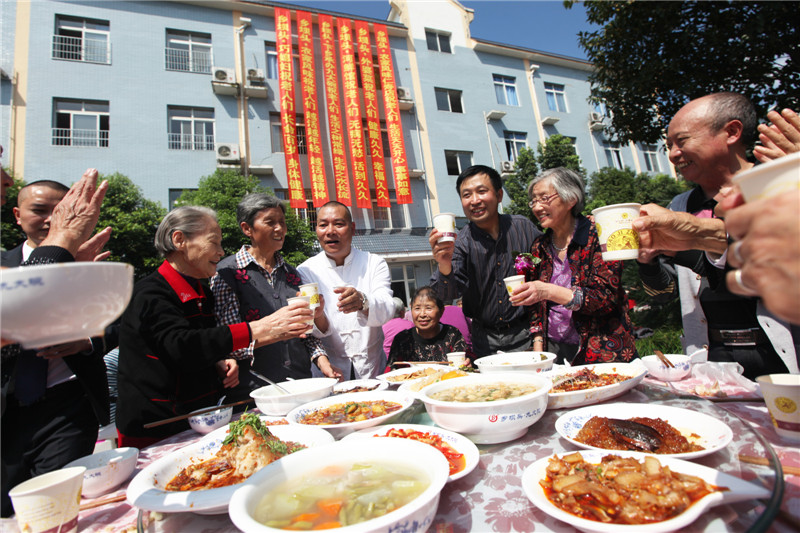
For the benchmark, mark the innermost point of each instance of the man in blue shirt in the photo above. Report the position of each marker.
(473, 267)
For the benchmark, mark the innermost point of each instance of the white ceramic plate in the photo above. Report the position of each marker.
(146, 491)
(739, 491)
(402, 372)
(407, 385)
(560, 400)
(345, 428)
(710, 433)
(345, 386)
(459, 443)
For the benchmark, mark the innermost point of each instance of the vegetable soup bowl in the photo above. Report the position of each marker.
(272, 401)
(489, 422)
(421, 461)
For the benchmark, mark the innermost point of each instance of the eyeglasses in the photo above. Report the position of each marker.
(544, 200)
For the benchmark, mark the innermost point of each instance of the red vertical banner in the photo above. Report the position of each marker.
(394, 125)
(352, 111)
(316, 165)
(283, 29)
(372, 112)
(341, 176)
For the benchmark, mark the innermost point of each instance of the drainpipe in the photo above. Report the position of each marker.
(243, 113)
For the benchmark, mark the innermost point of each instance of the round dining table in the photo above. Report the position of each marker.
(491, 497)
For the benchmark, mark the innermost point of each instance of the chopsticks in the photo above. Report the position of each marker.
(421, 362)
(200, 412)
(663, 358)
(104, 501)
(793, 470)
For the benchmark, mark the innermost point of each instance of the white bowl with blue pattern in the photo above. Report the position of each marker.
(208, 422)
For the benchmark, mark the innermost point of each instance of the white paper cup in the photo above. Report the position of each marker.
(512, 282)
(306, 300)
(312, 291)
(445, 223)
(775, 177)
(457, 359)
(618, 239)
(782, 396)
(49, 502)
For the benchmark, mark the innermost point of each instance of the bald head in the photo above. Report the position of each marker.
(35, 204)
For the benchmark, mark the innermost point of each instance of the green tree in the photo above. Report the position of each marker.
(10, 233)
(558, 151)
(516, 185)
(610, 186)
(133, 219)
(223, 190)
(650, 58)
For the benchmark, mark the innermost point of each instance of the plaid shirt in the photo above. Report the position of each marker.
(227, 305)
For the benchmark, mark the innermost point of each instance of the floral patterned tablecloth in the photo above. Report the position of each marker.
(491, 498)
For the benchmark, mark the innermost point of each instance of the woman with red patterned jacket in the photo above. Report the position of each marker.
(579, 309)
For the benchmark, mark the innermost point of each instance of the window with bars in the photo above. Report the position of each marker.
(448, 100)
(438, 41)
(188, 51)
(505, 89)
(457, 161)
(277, 134)
(650, 154)
(190, 128)
(80, 123)
(556, 97)
(81, 39)
(393, 217)
(515, 141)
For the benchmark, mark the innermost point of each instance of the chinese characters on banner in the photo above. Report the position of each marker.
(352, 111)
(394, 126)
(340, 174)
(283, 29)
(373, 113)
(316, 165)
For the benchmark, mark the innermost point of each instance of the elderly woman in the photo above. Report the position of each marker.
(173, 357)
(579, 308)
(255, 283)
(429, 339)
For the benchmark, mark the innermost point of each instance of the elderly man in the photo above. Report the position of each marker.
(482, 255)
(707, 141)
(358, 298)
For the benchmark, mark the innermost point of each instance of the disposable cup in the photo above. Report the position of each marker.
(49, 502)
(304, 299)
(312, 291)
(445, 223)
(457, 358)
(512, 282)
(771, 179)
(618, 239)
(782, 396)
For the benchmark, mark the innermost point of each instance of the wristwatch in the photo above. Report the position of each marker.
(364, 302)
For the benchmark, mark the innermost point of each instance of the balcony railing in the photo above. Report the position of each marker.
(68, 137)
(188, 61)
(81, 49)
(186, 141)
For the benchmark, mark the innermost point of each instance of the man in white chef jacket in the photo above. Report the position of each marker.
(356, 288)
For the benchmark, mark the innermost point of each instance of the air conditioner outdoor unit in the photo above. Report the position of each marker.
(403, 93)
(256, 74)
(227, 152)
(506, 167)
(223, 75)
(594, 116)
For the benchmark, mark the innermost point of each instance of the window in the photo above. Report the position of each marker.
(404, 283)
(174, 195)
(556, 97)
(448, 100)
(457, 161)
(505, 89)
(438, 42)
(649, 151)
(515, 140)
(190, 128)
(272, 62)
(384, 140)
(277, 134)
(80, 123)
(613, 156)
(78, 39)
(393, 217)
(188, 52)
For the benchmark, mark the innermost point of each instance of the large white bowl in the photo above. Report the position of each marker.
(74, 300)
(516, 362)
(340, 430)
(416, 457)
(489, 422)
(560, 400)
(106, 470)
(271, 401)
(658, 370)
(208, 422)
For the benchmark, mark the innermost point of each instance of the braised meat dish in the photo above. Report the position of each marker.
(641, 434)
(587, 379)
